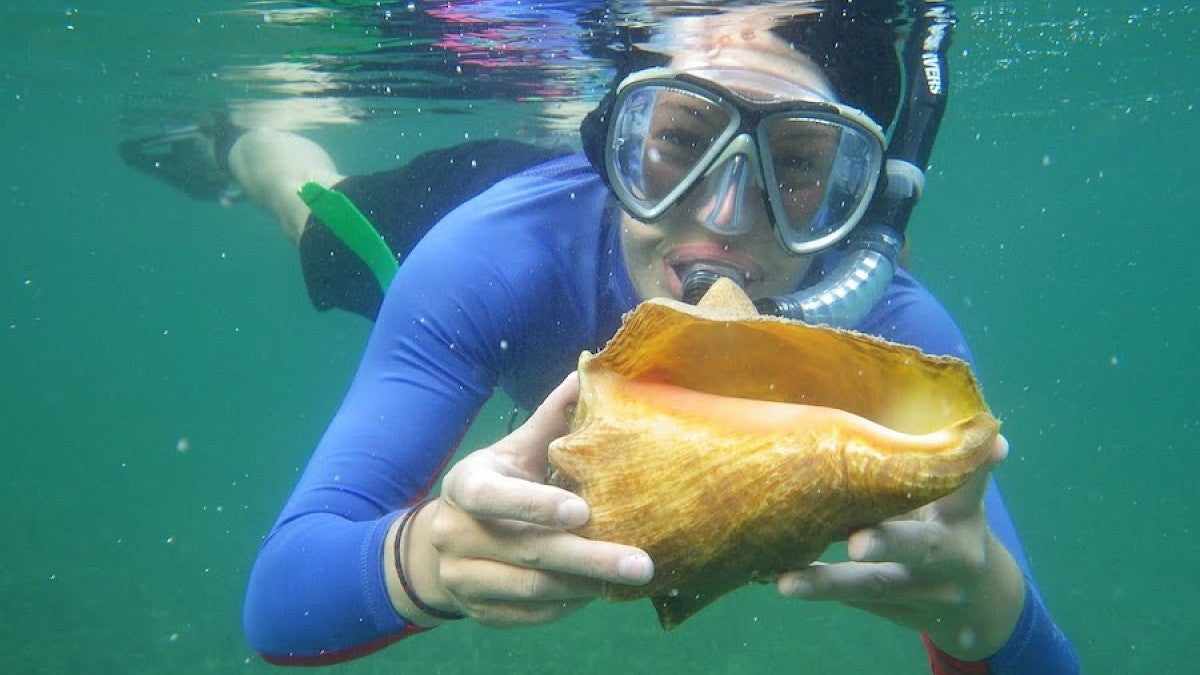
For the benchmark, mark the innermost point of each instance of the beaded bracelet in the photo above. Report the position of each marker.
(404, 583)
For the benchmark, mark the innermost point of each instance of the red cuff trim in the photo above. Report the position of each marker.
(331, 657)
(941, 663)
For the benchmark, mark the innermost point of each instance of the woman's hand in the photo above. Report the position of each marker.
(938, 569)
(494, 545)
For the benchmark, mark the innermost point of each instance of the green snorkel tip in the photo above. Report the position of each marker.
(344, 219)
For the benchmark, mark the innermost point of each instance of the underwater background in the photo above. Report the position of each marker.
(163, 377)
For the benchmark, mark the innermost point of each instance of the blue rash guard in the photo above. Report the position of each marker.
(506, 290)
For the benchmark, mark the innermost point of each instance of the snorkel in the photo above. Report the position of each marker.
(872, 250)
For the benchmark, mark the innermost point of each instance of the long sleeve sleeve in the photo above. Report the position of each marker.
(496, 294)
(317, 593)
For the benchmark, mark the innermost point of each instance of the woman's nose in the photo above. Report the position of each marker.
(731, 199)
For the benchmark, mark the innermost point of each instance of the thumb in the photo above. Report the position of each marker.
(968, 499)
(525, 449)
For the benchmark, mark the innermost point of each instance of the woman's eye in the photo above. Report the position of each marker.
(681, 144)
(798, 168)
(798, 163)
(680, 139)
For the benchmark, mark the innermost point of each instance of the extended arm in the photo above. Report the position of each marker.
(954, 569)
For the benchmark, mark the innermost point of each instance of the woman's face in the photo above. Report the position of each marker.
(659, 254)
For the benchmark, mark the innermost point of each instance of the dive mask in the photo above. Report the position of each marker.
(815, 162)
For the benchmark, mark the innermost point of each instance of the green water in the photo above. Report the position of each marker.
(1059, 227)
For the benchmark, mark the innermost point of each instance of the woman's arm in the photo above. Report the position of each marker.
(317, 592)
(494, 546)
(954, 569)
(484, 295)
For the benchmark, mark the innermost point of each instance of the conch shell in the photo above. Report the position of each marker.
(732, 446)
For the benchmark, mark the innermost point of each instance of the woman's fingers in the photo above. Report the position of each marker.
(945, 534)
(538, 547)
(968, 500)
(477, 581)
(523, 452)
(926, 557)
(500, 533)
(865, 584)
(502, 595)
(477, 488)
(511, 614)
(506, 480)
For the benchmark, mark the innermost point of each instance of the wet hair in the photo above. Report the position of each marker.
(853, 41)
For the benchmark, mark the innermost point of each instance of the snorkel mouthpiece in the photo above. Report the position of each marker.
(701, 275)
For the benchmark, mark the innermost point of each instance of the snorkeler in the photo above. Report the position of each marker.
(751, 148)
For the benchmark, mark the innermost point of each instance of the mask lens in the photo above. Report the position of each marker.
(662, 138)
(817, 162)
(821, 174)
